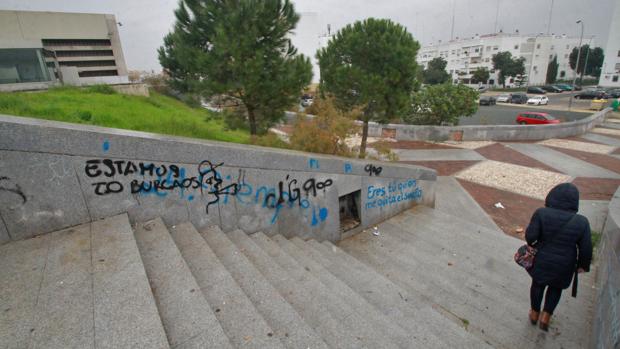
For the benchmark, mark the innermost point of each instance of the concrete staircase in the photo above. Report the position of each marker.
(429, 280)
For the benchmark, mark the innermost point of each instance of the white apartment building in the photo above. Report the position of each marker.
(610, 72)
(465, 55)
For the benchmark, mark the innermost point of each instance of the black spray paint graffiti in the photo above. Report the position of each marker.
(15, 189)
(309, 187)
(372, 169)
(210, 176)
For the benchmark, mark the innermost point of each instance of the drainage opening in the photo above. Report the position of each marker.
(349, 210)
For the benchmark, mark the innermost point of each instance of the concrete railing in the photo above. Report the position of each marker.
(606, 322)
(487, 132)
(55, 175)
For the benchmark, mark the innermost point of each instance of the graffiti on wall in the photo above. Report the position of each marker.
(373, 170)
(13, 188)
(209, 183)
(392, 194)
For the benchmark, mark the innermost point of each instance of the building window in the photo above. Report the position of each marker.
(22, 65)
(516, 47)
(562, 74)
(76, 42)
(614, 78)
(488, 48)
(552, 47)
(477, 50)
(538, 46)
(486, 60)
(86, 74)
(495, 48)
(550, 56)
(83, 53)
(617, 66)
(104, 63)
(618, 53)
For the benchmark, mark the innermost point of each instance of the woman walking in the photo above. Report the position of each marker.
(562, 238)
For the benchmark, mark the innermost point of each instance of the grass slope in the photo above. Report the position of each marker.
(98, 106)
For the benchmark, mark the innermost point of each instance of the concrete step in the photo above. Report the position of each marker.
(410, 310)
(188, 320)
(344, 302)
(125, 312)
(286, 323)
(63, 315)
(401, 336)
(461, 284)
(241, 322)
(22, 268)
(329, 318)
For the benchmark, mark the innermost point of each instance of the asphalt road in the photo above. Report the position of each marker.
(505, 114)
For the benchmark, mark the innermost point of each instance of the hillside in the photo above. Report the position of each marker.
(100, 106)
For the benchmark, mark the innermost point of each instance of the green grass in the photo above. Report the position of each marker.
(100, 106)
(596, 239)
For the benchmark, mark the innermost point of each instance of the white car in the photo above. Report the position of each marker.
(538, 100)
(505, 98)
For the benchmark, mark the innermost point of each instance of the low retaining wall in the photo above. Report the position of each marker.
(607, 313)
(54, 175)
(508, 133)
(487, 132)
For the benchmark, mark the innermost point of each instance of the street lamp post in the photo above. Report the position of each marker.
(570, 100)
(585, 63)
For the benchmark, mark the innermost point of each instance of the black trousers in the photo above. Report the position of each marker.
(552, 297)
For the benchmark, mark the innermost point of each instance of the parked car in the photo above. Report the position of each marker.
(538, 100)
(504, 98)
(306, 100)
(535, 118)
(614, 93)
(487, 100)
(592, 94)
(518, 98)
(564, 87)
(536, 90)
(552, 88)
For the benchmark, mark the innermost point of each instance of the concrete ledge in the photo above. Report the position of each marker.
(57, 175)
(606, 324)
(489, 132)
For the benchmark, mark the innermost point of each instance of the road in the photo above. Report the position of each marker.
(505, 114)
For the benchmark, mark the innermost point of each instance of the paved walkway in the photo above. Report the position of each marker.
(475, 176)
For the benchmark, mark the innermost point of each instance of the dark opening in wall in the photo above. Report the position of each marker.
(349, 211)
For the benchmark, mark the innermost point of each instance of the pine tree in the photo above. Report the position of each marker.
(239, 48)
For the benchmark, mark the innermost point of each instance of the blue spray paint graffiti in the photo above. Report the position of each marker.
(348, 168)
(106, 146)
(394, 193)
(313, 163)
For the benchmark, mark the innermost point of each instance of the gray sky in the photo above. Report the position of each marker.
(145, 22)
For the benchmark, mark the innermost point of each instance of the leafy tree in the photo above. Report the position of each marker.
(327, 131)
(439, 104)
(436, 72)
(552, 70)
(371, 65)
(481, 75)
(595, 60)
(507, 66)
(240, 48)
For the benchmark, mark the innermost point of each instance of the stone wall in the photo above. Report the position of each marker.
(607, 312)
(54, 175)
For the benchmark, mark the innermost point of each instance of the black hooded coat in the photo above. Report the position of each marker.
(562, 245)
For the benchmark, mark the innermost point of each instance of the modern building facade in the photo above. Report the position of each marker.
(466, 55)
(610, 72)
(39, 49)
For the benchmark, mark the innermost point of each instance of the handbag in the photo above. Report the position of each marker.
(526, 254)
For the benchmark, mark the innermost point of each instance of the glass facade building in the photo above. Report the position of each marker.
(23, 65)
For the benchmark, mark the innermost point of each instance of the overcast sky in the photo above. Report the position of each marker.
(145, 22)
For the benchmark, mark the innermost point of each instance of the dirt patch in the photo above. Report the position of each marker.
(500, 152)
(416, 145)
(518, 208)
(605, 161)
(444, 168)
(596, 188)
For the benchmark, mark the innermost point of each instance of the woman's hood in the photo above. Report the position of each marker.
(564, 196)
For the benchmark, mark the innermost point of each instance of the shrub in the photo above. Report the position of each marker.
(83, 115)
(326, 133)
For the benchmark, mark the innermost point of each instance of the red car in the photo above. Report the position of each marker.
(534, 118)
